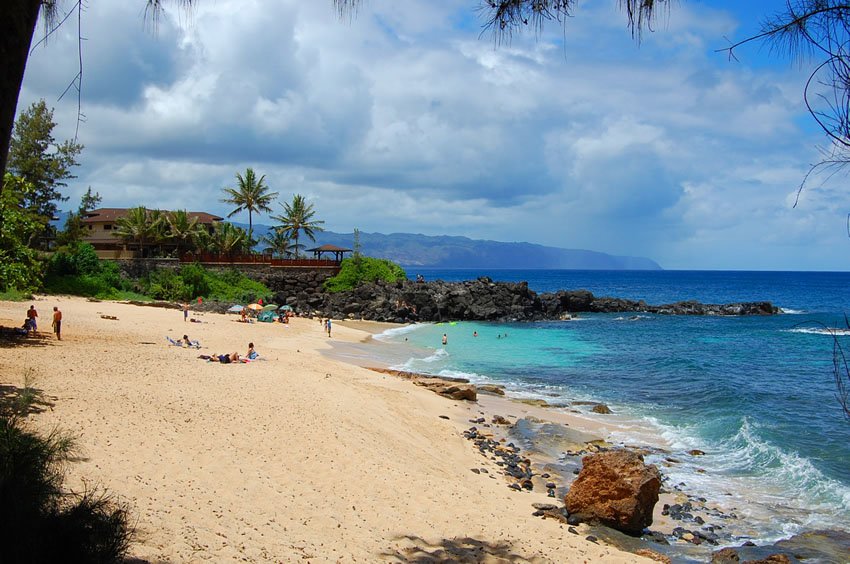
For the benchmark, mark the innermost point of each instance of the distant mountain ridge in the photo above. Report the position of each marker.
(446, 251)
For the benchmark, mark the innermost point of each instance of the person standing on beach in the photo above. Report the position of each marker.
(445, 339)
(328, 326)
(57, 322)
(32, 316)
(185, 312)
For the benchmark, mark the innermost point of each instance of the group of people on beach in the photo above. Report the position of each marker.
(31, 322)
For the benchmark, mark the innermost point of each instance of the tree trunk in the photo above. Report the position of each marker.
(16, 30)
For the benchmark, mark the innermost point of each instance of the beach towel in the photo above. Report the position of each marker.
(180, 343)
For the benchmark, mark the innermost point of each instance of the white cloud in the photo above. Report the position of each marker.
(404, 120)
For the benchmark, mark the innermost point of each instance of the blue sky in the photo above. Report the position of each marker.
(404, 119)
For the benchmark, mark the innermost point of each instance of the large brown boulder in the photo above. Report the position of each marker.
(616, 489)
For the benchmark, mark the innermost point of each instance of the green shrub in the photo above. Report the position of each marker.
(80, 258)
(84, 259)
(42, 522)
(196, 279)
(79, 272)
(354, 272)
(233, 286)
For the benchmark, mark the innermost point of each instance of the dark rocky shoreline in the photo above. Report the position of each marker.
(486, 300)
(699, 528)
(472, 300)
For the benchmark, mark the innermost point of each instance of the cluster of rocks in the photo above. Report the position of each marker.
(486, 300)
(507, 456)
(452, 388)
(811, 546)
(471, 300)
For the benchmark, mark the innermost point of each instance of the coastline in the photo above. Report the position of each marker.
(548, 432)
(556, 436)
(294, 456)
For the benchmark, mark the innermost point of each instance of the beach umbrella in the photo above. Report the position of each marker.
(235, 309)
(285, 308)
(269, 307)
(255, 307)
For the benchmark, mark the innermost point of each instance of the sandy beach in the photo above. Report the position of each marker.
(291, 457)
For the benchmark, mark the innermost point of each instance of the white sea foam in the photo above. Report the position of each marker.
(631, 318)
(471, 376)
(391, 334)
(778, 490)
(829, 331)
(790, 311)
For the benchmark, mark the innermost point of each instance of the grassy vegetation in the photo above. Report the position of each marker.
(15, 296)
(360, 270)
(42, 521)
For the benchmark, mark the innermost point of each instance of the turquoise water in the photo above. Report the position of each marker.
(757, 394)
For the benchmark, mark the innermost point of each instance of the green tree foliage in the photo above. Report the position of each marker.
(353, 273)
(183, 229)
(226, 239)
(141, 227)
(297, 218)
(20, 267)
(77, 270)
(277, 242)
(192, 281)
(251, 194)
(35, 156)
(73, 230)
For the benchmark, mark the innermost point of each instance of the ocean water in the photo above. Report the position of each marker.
(756, 394)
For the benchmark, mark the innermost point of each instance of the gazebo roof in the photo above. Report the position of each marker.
(329, 249)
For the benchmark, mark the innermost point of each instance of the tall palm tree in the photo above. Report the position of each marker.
(250, 194)
(277, 241)
(297, 217)
(182, 229)
(140, 226)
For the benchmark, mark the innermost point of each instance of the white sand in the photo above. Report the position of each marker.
(290, 458)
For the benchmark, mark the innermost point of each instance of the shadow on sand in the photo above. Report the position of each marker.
(23, 401)
(11, 338)
(454, 550)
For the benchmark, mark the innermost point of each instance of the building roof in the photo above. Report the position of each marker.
(329, 249)
(112, 214)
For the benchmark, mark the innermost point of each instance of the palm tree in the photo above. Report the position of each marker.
(250, 194)
(298, 217)
(182, 229)
(278, 243)
(228, 239)
(140, 226)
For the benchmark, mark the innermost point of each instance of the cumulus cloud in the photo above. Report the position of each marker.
(403, 119)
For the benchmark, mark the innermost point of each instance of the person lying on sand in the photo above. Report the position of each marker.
(184, 342)
(222, 358)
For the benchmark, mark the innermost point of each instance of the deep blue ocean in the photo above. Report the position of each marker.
(756, 394)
